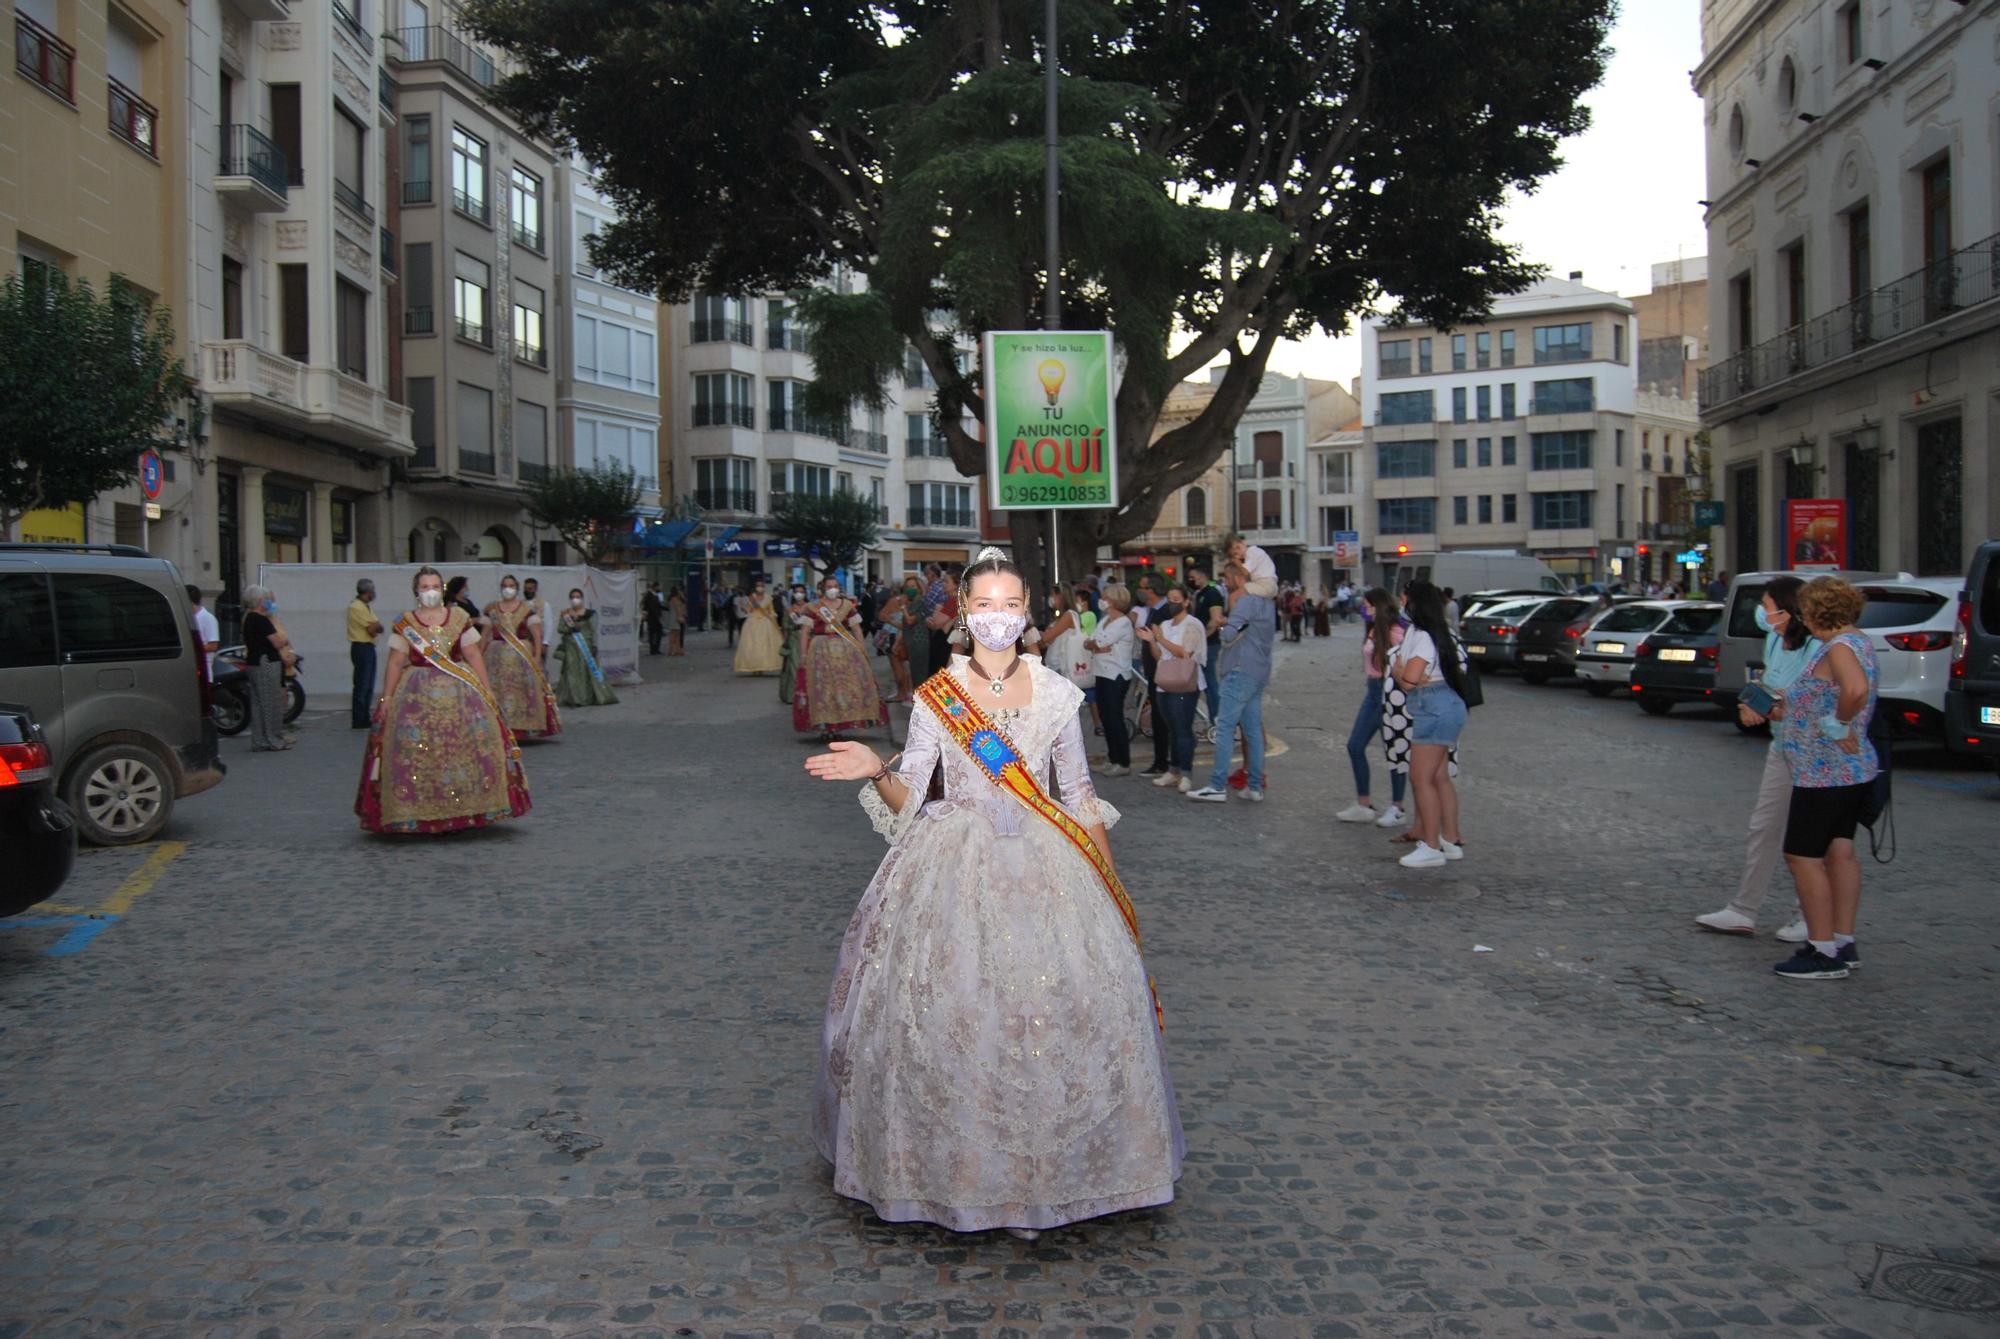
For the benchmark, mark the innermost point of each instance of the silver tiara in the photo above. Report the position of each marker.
(991, 554)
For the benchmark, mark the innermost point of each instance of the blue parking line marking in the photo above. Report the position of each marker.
(82, 930)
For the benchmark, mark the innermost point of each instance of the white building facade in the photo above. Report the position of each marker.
(1854, 267)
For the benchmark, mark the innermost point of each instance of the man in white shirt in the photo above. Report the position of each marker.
(206, 630)
(1263, 572)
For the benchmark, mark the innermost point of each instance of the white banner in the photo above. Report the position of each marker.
(313, 600)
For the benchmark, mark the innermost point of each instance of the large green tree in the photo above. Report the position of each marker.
(591, 508)
(88, 380)
(832, 531)
(1234, 172)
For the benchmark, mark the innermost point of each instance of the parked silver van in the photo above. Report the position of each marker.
(98, 641)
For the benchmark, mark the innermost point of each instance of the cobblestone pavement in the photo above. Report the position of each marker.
(551, 1079)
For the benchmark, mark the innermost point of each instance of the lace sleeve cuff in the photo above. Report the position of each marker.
(890, 824)
(1094, 810)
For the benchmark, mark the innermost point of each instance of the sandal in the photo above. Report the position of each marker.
(1404, 837)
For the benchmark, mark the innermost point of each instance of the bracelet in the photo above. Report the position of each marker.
(879, 775)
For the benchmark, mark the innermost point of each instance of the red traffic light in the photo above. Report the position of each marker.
(1402, 549)
(1170, 571)
(1642, 550)
(1146, 561)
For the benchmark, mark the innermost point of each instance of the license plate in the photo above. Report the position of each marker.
(1530, 655)
(1611, 648)
(1677, 653)
(1475, 648)
(1989, 715)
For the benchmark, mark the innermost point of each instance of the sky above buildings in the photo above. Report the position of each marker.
(1626, 195)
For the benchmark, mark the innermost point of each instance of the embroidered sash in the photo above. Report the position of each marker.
(503, 625)
(839, 625)
(437, 645)
(589, 660)
(971, 730)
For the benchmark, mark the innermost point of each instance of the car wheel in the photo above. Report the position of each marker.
(1597, 689)
(1655, 706)
(1535, 676)
(120, 793)
(295, 700)
(230, 710)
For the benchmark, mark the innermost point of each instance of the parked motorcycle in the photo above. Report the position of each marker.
(231, 692)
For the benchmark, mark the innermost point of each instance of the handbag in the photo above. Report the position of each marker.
(1470, 689)
(1176, 674)
(1066, 656)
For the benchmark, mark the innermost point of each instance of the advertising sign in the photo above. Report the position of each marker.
(1816, 534)
(1346, 547)
(1050, 439)
(781, 548)
(1710, 514)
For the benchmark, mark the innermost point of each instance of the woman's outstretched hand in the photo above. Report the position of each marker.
(845, 761)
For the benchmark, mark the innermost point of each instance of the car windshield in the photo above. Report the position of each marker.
(1692, 622)
(1632, 618)
(1898, 606)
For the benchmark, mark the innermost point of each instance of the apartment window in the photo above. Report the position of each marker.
(612, 353)
(1847, 24)
(1621, 510)
(1508, 515)
(948, 505)
(1507, 400)
(350, 313)
(1393, 357)
(531, 440)
(422, 395)
(1485, 453)
(1561, 511)
(294, 340)
(528, 344)
(475, 429)
(1461, 511)
(1506, 453)
(1937, 212)
(1336, 472)
(1194, 507)
(782, 329)
(718, 319)
(525, 195)
(1486, 509)
(1618, 342)
(919, 440)
(232, 299)
(785, 401)
(350, 165)
(468, 176)
(790, 476)
(1458, 404)
(728, 484)
(471, 293)
(1424, 354)
(1562, 343)
(417, 160)
(1405, 407)
(1618, 447)
(1482, 349)
(1458, 353)
(41, 56)
(1570, 396)
(603, 441)
(1506, 348)
(1559, 451)
(1792, 265)
(1742, 327)
(1458, 453)
(722, 398)
(1406, 516)
(133, 119)
(1483, 402)
(1405, 460)
(419, 290)
(1860, 258)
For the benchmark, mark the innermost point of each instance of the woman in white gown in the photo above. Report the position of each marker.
(992, 1054)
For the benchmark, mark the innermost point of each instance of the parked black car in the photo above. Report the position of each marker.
(1489, 635)
(1678, 663)
(36, 830)
(1972, 696)
(1546, 646)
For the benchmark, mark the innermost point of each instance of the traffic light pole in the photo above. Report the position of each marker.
(1052, 237)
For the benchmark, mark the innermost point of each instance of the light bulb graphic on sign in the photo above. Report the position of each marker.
(1052, 373)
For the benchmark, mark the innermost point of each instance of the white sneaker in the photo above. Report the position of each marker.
(1165, 779)
(1425, 856)
(1729, 921)
(1184, 785)
(1794, 931)
(1113, 769)
(1358, 813)
(1392, 816)
(1254, 795)
(1452, 850)
(1209, 795)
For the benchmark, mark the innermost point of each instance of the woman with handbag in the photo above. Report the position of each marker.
(1429, 666)
(1182, 646)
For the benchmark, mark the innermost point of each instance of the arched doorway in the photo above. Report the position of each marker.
(433, 541)
(498, 545)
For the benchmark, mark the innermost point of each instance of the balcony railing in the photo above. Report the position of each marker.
(43, 58)
(478, 334)
(528, 237)
(786, 337)
(1950, 284)
(385, 88)
(1395, 367)
(350, 199)
(942, 518)
(864, 439)
(715, 331)
(1266, 469)
(352, 22)
(426, 457)
(710, 415)
(933, 445)
(793, 419)
(532, 471)
(133, 119)
(475, 462)
(388, 252)
(532, 354)
(419, 321)
(434, 43)
(726, 499)
(248, 152)
(237, 373)
(1545, 406)
(472, 206)
(417, 191)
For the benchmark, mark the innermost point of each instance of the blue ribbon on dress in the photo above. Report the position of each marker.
(588, 659)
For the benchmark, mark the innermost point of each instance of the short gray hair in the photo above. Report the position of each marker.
(1117, 595)
(363, 586)
(254, 595)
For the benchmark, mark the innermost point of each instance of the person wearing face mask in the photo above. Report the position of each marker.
(440, 756)
(791, 617)
(898, 615)
(677, 619)
(1181, 644)
(1033, 1090)
(1787, 648)
(835, 690)
(265, 648)
(582, 682)
(514, 665)
(761, 647)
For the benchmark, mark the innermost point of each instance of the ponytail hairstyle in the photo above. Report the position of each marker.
(1426, 611)
(1382, 620)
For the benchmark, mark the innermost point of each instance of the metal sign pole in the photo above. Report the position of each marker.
(1052, 238)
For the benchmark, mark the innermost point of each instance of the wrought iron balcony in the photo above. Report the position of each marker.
(351, 21)
(350, 199)
(419, 321)
(933, 445)
(133, 119)
(472, 206)
(786, 336)
(1940, 289)
(727, 499)
(253, 171)
(716, 331)
(942, 518)
(708, 414)
(417, 191)
(475, 462)
(44, 59)
(388, 252)
(423, 45)
(475, 332)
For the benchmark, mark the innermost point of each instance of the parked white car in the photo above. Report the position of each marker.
(1605, 654)
(1910, 622)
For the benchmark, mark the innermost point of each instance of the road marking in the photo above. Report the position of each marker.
(141, 881)
(86, 926)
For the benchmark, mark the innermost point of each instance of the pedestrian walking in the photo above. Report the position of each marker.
(531, 593)
(1034, 1092)
(1246, 637)
(513, 657)
(1211, 608)
(761, 648)
(897, 611)
(1182, 650)
(836, 690)
(362, 630)
(1150, 607)
(1110, 647)
(1322, 613)
(1384, 634)
(582, 682)
(265, 648)
(943, 617)
(1718, 587)
(653, 616)
(677, 619)
(440, 757)
(1429, 665)
(1787, 647)
(1833, 763)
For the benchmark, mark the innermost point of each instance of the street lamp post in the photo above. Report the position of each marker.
(1052, 235)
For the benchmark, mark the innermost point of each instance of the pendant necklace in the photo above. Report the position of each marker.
(997, 683)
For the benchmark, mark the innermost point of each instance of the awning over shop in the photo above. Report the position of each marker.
(663, 534)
